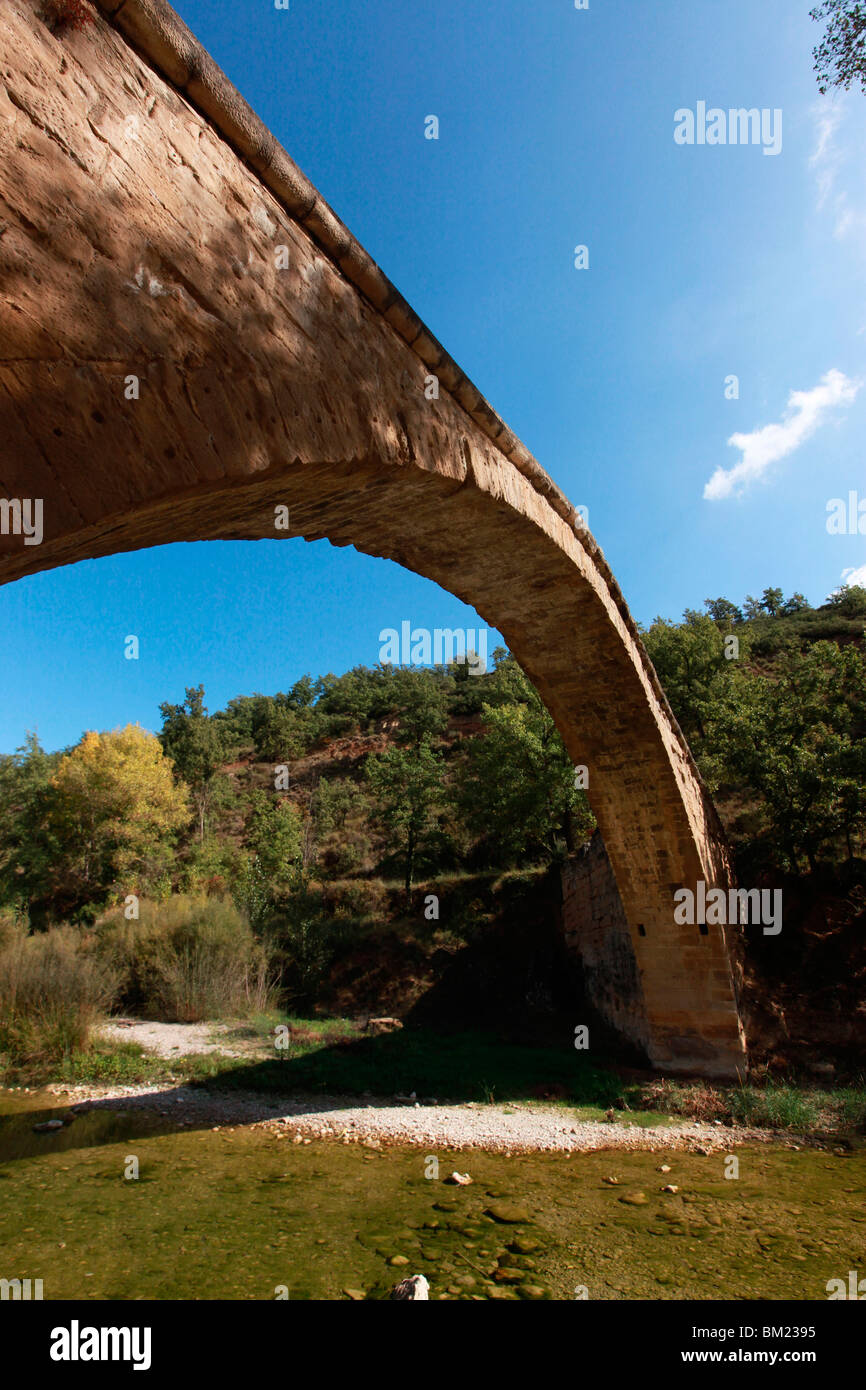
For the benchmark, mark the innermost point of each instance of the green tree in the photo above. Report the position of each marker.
(795, 740)
(277, 735)
(418, 698)
(753, 607)
(690, 661)
(516, 788)
(797, 603)
(27, 849)
(849, 600)
(721, 610)
(406, 788)
(274, 836)
(197, 745)
(771, 601)
(840, 57)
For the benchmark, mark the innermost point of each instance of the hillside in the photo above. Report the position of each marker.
(392, 838)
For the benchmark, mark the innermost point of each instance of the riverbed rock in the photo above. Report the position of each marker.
(508, 1213)
(524, 1245)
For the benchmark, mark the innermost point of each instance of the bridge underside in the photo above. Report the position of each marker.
(167, 373)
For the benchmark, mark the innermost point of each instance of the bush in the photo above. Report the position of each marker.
(187, 959)
(210, 869)
(304, 938)
(54, 988)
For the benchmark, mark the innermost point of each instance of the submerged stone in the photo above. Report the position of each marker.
(508, 1214)
(524, 1245)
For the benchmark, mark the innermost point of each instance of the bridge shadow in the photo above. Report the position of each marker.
(386, 1072)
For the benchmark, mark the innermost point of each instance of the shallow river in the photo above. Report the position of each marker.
(241, 1213)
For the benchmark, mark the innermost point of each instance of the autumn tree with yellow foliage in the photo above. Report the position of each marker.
(113, 814)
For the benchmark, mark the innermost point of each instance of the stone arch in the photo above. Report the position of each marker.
(167, 374)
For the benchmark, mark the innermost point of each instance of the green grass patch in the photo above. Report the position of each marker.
(121, 1063)
(774, 1106)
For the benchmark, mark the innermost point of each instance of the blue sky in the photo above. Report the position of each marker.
(556, 129)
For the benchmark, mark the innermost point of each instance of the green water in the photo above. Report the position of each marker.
(241, 1213)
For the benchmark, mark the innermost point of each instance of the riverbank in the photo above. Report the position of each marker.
(334, 1080)
(379, 1121)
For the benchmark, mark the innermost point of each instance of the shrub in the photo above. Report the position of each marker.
(187, 959)
(54, 987)
(304, 938)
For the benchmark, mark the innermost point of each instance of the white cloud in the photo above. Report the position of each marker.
(828, 161)
(825, 159)
(852, 577)
(806, 410)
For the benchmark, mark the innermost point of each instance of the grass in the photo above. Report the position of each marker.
(116, 1063)
(774, 1106)
(264, 1025)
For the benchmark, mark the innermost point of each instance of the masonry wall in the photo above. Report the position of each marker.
(596, 931)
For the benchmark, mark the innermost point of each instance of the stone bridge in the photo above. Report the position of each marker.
(190, 339)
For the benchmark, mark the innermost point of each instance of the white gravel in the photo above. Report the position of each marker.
(172, 1039)
(378, 1121)
(515, 1127)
